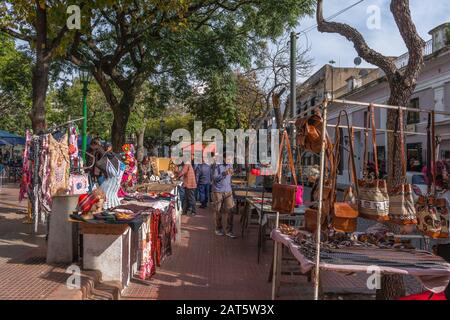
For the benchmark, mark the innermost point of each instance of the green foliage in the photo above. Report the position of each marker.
(15, 87)
(215, 104)
(67, 101)
(157, 132)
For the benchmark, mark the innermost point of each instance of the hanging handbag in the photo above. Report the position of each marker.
(345, 214)
(309, 133)
(432, 213)
(373, 198)
(284, 196)
(401, 201)
(311, 220)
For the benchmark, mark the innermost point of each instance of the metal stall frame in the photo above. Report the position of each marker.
(323, 107)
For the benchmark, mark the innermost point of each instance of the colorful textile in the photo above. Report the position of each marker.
(129, 178)
(59, 165)
(150, 246)
(112, 184)
(26, 172)
(44, 172)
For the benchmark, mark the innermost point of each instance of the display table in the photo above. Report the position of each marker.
(107, 248)
(117, 249)
(432, 271)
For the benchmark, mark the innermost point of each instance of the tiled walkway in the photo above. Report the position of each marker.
(204, 266)
(24, 273)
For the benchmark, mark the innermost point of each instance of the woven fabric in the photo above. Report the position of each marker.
(401, 206)
(59, 165)
(373, 201)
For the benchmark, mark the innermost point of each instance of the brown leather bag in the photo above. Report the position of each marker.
(309, 133)
(311, 220)
(402, 209)
(283, 196)
(345, 214)
(432, 212)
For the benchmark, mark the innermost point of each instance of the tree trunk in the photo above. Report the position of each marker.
(119, 125)
(40, 85)
(140, 145)
(393, 286)
(40, 72)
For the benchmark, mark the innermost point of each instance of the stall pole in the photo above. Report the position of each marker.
(275, 259)
(319, 212)
(84, 131)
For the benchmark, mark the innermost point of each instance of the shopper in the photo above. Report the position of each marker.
(189, 185)
(223, 196)
(203, 175)
(97, 151)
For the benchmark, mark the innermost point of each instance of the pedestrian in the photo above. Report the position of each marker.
(203, 175)
(189, 185)
(96, 149)
(223, 197)
(144, 170)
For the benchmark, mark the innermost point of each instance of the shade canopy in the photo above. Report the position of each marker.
(7, 138)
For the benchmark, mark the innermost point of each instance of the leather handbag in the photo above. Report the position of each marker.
(345, 214)
(311, 220)
(432, 212)
(309, 133)
(284, 196)
(402, 209)
(373, 198)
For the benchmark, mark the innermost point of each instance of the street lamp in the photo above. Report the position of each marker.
(85, 78)
(332, 63)
(161, 135)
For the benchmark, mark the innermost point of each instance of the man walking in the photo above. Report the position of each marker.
(189, 185)
(223, 197)
(203, 174)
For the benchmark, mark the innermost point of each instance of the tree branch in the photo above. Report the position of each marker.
(364, 51)
(414, 43)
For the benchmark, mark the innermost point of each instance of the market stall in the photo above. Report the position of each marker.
(329, 239)
(98, 215)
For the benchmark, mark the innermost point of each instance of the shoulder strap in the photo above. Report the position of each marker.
(352, 166)
(402, 143)
(433, 150)
(285, 139)
(374, 141)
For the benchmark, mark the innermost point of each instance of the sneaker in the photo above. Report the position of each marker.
(219, 233)
(231, 235)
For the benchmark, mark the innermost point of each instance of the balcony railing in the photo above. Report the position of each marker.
(402, 61)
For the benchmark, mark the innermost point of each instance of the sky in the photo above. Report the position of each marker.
(426, 14)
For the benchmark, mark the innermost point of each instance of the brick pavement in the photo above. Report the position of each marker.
(24, 273)
(203, 265)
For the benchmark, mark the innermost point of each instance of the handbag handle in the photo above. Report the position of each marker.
(285, 139)
(433, 150)
(372, 124)
(399, 138)
(352, 165)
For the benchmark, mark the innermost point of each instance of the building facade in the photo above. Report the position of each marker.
(432, 92)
